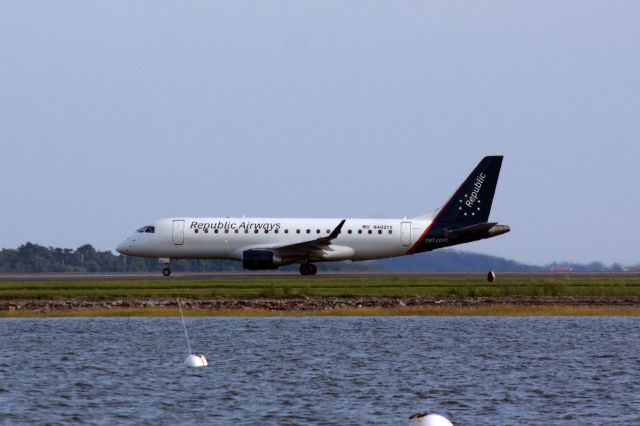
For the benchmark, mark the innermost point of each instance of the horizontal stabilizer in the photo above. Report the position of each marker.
(481, 230)
(474, 229)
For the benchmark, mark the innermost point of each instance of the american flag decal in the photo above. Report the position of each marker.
(365, 227)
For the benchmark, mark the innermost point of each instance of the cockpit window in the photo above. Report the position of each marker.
(148, 229)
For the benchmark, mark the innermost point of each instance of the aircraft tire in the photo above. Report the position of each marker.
(166, 272)
(313, 269)
(305, 269)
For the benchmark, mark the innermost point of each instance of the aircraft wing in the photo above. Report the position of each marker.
(311, 248)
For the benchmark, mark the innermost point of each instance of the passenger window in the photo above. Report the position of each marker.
(226, 231)
(297, 231)
(328, 232)
(276, 231)
(206, 231)
(246, 231)
(286, 231)
(317, 231)
(236, 231)
(308, 231)
(379, 231)
(195, 230)
(359, 231)
(215, 231)
(266, 231)
(349, 231)
(390, 232)
(370, 232)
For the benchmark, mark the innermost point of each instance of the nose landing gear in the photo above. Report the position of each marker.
(166, 271)
(308, 269)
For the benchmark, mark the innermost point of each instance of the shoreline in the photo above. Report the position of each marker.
(323, 306)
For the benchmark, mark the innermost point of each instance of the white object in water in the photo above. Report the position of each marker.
(197, 360)
(425, 419)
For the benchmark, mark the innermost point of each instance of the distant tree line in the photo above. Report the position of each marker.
(590, 267)
(448, 260)
(31, 257)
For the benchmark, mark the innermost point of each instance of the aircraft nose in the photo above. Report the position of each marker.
(123, 247)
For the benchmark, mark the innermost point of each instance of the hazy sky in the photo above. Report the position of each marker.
(113, 114)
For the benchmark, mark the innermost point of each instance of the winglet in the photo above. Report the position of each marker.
(337, 230)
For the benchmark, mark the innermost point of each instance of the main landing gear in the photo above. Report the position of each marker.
(166, 272)
(308, 269)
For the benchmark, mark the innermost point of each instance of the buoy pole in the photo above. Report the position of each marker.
(184, 326)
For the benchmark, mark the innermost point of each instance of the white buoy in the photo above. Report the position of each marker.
(197, 360)
(425, 419)
(193, 360)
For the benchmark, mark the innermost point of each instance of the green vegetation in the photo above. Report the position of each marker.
(287, 286)
(484, 310)
(36, 258)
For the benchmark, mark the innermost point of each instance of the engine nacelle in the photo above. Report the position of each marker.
(260, 259)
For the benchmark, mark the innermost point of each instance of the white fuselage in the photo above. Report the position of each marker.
(228, 238)
(268, 243)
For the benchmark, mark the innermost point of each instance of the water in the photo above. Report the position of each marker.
(316, 371)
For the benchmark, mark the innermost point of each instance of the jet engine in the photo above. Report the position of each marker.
(260, 259)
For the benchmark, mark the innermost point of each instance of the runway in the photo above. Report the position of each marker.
(245, 275)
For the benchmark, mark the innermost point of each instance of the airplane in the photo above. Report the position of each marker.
(268, 243)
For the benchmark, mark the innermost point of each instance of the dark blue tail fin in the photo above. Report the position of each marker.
(471, 203)
(465, 217)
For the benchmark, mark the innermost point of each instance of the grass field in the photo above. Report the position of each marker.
(486, 310)
(461, 286)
